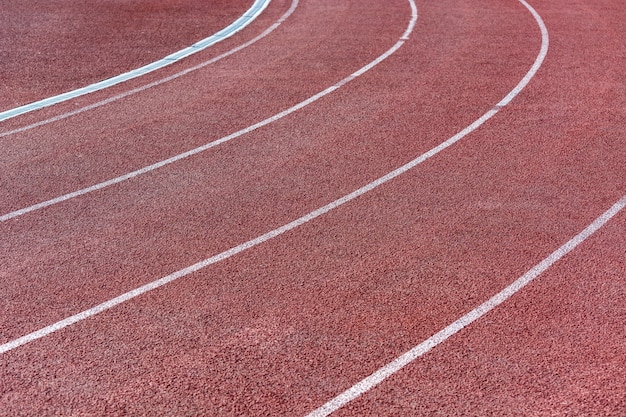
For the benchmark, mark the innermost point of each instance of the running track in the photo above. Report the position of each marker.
(287, 325)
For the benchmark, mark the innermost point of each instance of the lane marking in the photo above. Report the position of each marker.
(400, 362)
(120, 96)
(217, 142)
(248, 17)
(304, 219)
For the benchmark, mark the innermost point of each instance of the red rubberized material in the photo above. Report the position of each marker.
(282, 328)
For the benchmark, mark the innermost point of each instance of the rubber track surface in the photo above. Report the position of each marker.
(287, 325)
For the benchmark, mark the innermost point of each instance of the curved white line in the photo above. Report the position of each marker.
(269, 30)
(248, 17)
(210, 145)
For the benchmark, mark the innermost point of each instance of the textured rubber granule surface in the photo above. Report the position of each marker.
(287, 325)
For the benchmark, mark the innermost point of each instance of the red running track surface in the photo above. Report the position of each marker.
(287, 325)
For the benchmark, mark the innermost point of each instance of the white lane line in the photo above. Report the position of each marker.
(217, 142)
(248, 17)
(296, 223)
(284, 17)
(400, 362)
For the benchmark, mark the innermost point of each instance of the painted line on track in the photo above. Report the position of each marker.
(224, 139)
(244, 20)
(13, 344)
(120, 96)
(400, 362)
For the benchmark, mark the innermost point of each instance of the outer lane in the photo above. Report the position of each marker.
(556, 348)
(250, 335)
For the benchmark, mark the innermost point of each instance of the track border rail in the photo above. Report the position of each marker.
(244, 20)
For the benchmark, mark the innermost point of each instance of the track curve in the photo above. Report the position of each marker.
(285, 326)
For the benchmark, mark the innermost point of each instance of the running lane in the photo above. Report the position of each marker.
(51, 47)
(284, 327)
